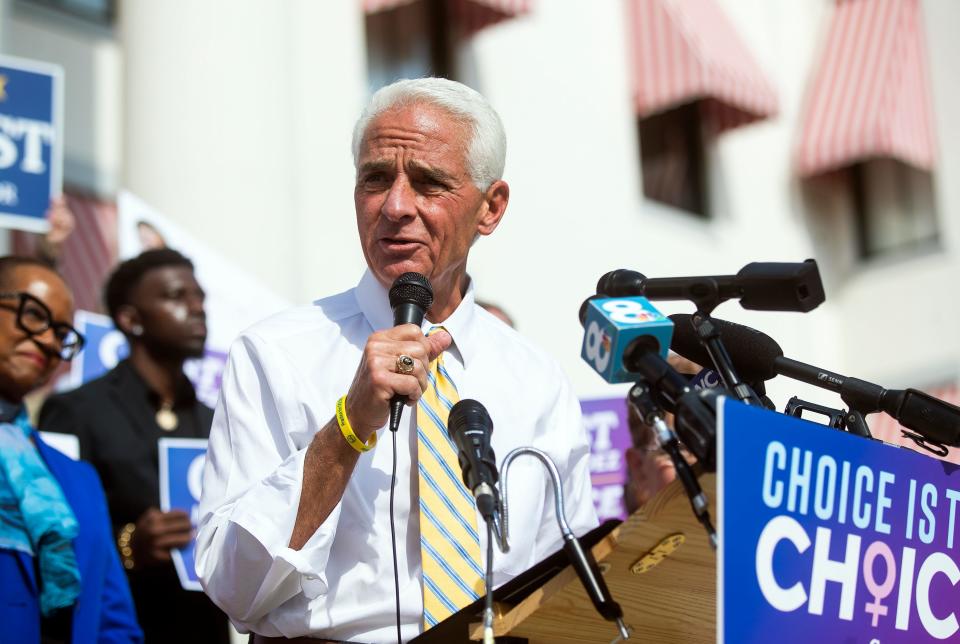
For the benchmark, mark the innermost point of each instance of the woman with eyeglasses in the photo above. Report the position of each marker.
(60, 576)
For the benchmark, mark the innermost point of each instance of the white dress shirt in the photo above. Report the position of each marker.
(282, 380)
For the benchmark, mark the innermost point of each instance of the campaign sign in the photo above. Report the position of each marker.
(105, 347)
(830, 537)
(181, 475)
(31, 141)
(605, 421)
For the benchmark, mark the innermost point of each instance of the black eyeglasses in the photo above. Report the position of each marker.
(34, 318)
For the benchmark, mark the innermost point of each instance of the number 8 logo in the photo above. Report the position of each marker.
(626, 311)
(593, 347)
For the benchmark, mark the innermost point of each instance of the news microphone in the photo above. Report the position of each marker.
(619, 327)
(753, 352)
(759, 357)
(469, 427)
(760, 286)
(410, 297)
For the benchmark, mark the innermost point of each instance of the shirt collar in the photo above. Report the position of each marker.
(374, 302)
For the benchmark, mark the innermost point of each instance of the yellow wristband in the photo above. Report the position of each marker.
(352, 439)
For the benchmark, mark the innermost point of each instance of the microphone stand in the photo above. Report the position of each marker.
(642, 399)
(582, 560)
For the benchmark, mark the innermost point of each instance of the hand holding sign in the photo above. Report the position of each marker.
(157, 533)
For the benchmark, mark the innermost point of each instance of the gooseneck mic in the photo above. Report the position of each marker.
(469, 427)
(410, 297)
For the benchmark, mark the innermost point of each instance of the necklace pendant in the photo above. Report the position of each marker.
(167, 419)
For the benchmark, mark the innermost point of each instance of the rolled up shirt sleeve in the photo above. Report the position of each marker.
(251, 491)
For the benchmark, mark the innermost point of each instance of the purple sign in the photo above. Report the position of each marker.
(605, 420)
(830, 537)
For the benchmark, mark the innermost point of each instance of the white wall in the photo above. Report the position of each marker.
(238, 125)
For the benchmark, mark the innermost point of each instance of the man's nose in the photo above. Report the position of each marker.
(401, 200)
(195, 305)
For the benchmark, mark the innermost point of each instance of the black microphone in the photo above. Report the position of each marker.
(759, 357)
(760, 286)
(410, 297)
(753, 352)
(469, 427)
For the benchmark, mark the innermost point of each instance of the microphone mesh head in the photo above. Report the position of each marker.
(411, 288)
(467, 413)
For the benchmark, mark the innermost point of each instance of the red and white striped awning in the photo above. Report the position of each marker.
(471, 15)
(89, 253)
(686, 50)
(888, 430)
(870, 96)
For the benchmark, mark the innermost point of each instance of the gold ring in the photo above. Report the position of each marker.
(405, 364)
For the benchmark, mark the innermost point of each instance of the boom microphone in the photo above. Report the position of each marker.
(410, 297)
(759, 357)
(469, 427)
(753, 353)
(760, 286)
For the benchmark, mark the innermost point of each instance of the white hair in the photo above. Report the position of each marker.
(487, 152)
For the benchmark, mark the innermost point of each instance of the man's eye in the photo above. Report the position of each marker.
(432, 185)
(375, 178)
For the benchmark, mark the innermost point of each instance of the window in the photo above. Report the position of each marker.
(672, 159)
(100, 11)
(893, 207)
(410, 41)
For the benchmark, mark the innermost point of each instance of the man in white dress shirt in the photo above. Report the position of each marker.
(294, 536)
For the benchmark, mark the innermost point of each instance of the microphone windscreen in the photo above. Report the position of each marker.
(621, 283)
(411, 288)
(752, 352)
(465, 414)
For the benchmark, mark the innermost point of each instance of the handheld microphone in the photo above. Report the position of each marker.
(410, 297)
(615, 329)
(760, 286)
(759, 357)
(469, 427)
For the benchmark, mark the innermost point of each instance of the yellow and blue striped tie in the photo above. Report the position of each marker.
(449, 541)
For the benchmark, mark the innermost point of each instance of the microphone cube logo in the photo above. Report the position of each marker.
(611, 324)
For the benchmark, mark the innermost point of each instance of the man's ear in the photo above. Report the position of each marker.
(127, 319)
(495, 198)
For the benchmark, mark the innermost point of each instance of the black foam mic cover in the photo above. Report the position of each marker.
(753, 353)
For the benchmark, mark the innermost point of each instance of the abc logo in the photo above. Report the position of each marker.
(596, 346)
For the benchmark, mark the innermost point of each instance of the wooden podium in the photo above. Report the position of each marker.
(658, 565)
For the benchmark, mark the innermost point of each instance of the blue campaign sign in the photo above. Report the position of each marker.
(181, 473)
(105, 347)
(830, 537)
(31, 141)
